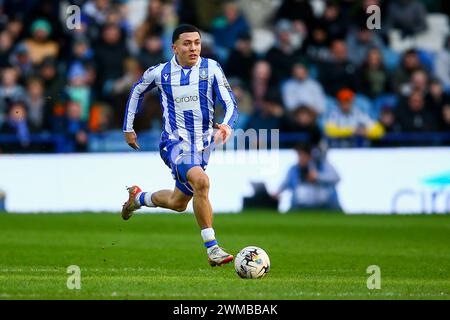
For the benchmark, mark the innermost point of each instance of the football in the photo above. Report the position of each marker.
(252, 263)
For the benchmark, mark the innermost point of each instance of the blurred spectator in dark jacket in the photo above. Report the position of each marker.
(312, 181)
(283, 54)
(334, 21)
(339, 72)
(301, 89)
(436, 97)
(39, 111)
(242, 59)
(374, 78)
(110, 53)
(409, 16)
(227, 28)
(6, 48)
(40, 46)
(302, 120)
(269, 115)
(415, 116)
(17, 125)
(152, 52)
(316, 46)
(53, 83)
(387, 119)
(409, 64)
(296, 10)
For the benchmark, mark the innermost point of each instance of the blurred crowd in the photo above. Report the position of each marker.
(312, 68)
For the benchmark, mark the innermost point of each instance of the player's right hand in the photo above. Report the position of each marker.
(131, 139)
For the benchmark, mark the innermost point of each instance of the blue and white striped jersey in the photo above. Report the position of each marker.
(187, 97)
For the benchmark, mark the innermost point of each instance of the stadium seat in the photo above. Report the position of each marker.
(391, 58)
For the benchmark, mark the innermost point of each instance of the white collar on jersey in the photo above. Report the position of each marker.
(175, 63)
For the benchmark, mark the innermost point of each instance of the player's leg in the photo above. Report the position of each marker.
(199, 181)
(174, 200)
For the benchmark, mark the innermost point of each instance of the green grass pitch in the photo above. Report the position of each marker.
(156, 256)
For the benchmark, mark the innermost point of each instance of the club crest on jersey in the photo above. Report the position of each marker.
(166, 76)
(203, 73)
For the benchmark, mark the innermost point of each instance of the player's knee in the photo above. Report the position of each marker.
(202, 184)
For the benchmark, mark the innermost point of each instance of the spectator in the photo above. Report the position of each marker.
(243, 100)
(303, 90)
(409, 16)
(20, 59)
(283, 54)
(75, 128)
(17, 125)
(40, 46)
(338, 73)
(152, 24)
(436, 98)
(110, 53)
(262, 82)
(78, 90)
(227, 28)
(53, 83)
(374, 79)
(10, 90)
(360, 41)
(388, 121)
(242, 59)
(415, 117)
(269, 115)
(312, 182)
(442, 65)
(296, 11)
(348, 121)
(334, 21)
(402, 75)
(445, 119)
(418, 82)
(6, 48)
(316, 46)
(302, 120)
(38, 108)
(97, 10)
(151, 53)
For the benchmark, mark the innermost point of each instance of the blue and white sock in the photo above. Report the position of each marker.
(144, 199)
(209, 239)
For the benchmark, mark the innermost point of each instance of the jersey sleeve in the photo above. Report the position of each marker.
(144, 85)
(223, 91)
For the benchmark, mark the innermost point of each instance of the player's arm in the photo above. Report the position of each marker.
(223, 91)
(145, 84)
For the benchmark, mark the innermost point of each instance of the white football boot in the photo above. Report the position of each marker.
(218, 257)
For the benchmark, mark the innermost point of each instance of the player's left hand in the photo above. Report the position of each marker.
(223, 133)
(131, 139)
